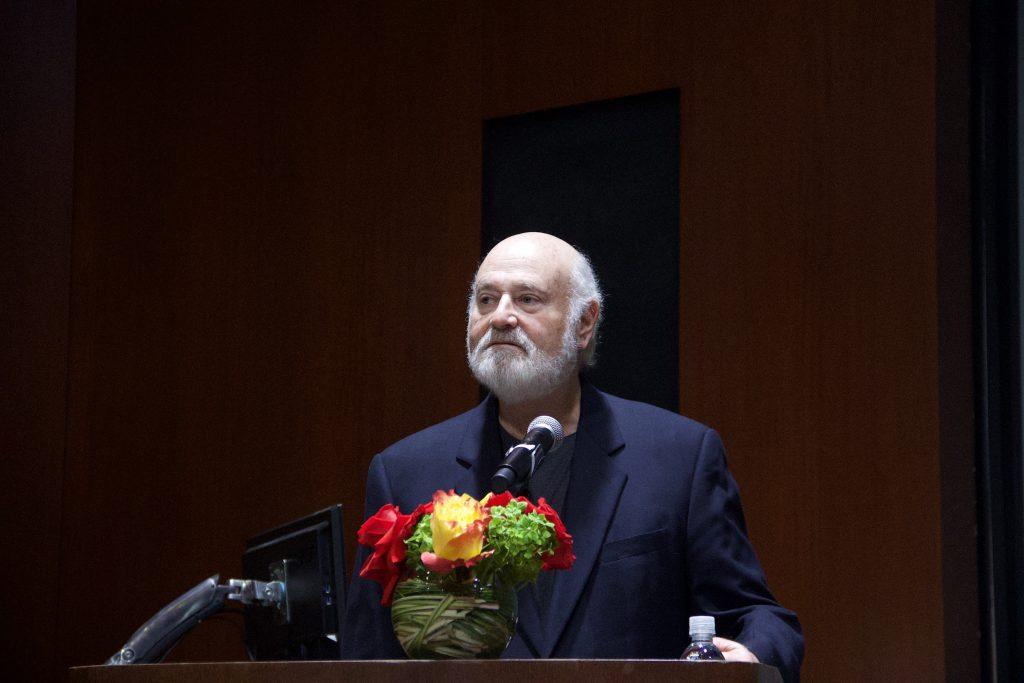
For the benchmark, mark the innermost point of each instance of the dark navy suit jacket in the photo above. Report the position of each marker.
(657, 528)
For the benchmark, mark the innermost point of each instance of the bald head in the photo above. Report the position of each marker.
(545, 255)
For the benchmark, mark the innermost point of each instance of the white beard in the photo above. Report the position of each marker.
(516, 377)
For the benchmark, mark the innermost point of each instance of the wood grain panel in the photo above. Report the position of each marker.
(277, 215)
(37, 105)
(822, 336)
(392, 671)
(270, 286)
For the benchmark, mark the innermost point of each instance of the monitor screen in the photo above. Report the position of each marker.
(308, 556)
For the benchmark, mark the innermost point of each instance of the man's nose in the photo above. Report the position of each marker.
(504, 316)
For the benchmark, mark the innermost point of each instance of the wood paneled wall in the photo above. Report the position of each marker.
(277, 216)
(37, 103)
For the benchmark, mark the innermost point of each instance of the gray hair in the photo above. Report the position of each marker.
(584, 289)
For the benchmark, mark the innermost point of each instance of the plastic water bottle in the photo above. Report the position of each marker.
(702, 630)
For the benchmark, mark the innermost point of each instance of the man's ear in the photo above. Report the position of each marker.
(585, 328)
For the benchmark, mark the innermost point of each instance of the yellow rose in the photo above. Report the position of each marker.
(458, 526)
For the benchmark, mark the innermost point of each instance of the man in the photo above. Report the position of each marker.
(658, 530)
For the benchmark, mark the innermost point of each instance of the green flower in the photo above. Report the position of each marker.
(517, 540)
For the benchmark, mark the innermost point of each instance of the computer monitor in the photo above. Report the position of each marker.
(308, 556)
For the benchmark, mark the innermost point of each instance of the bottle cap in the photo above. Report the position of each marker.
(702, 625)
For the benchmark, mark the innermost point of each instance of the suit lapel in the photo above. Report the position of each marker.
(477, 450)
(595, 485)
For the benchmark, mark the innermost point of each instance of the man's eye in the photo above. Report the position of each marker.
(485, 300)
(529, 299)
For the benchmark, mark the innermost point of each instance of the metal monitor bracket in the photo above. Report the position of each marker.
(156, 637)
(271, 593)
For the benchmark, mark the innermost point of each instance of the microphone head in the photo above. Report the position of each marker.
(550, 424)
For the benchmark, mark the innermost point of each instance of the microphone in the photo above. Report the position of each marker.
(544, 434)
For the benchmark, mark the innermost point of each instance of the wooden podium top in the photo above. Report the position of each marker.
(401, 671)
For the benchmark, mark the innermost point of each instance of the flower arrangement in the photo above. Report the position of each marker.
(450, 569)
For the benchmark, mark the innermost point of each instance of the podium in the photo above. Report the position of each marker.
(463, 671)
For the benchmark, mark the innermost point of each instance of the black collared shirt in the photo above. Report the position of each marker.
(550, 481)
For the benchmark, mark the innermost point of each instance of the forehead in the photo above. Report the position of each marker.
(521, 266)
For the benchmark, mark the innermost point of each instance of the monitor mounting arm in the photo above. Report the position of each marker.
(156, 637)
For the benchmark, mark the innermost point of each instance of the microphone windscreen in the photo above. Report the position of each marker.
(552, 425)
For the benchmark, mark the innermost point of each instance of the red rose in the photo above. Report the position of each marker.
(386, 532)
(497, 500)
(563, 556)
(378, 525)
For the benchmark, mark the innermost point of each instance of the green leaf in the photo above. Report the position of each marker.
(420, 541)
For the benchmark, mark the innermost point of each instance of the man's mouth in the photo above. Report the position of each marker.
(504, 343)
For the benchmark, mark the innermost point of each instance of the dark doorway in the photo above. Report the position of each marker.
(604, 176)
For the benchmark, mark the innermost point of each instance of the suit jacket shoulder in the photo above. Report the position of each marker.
(439, 438)
(645, 422)
(460, 453)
